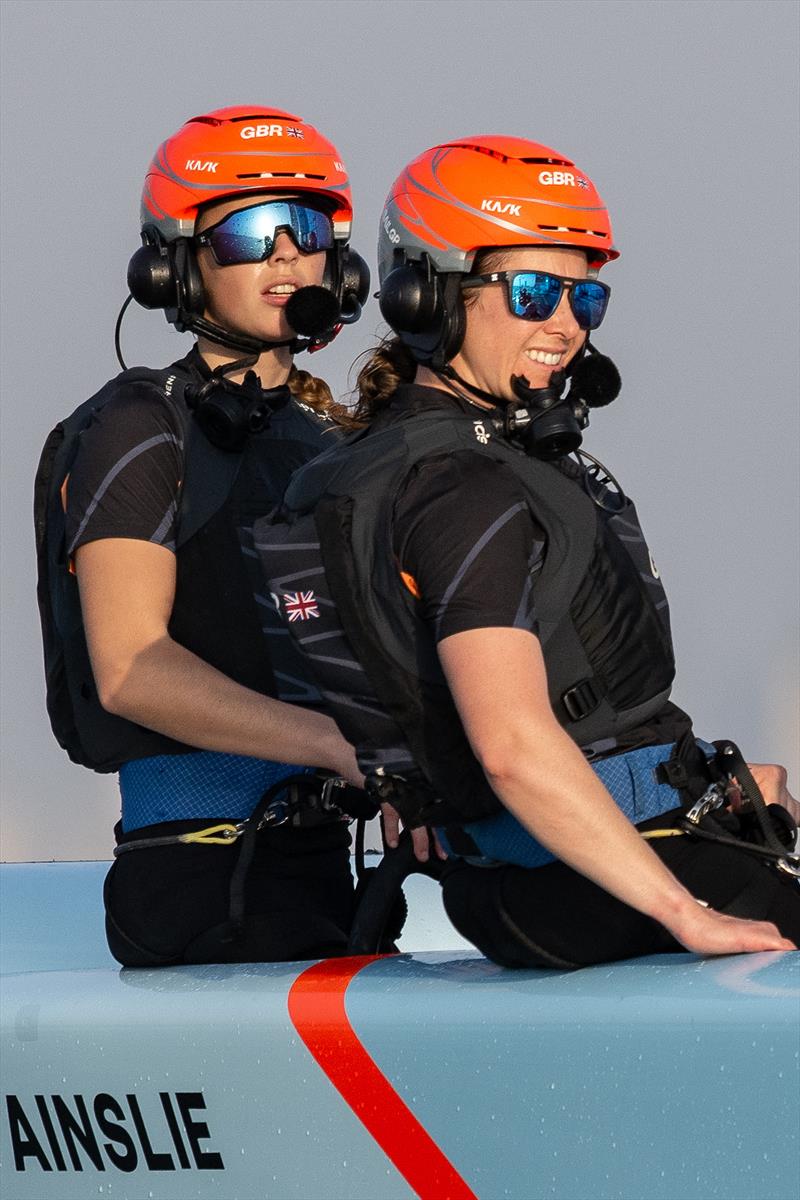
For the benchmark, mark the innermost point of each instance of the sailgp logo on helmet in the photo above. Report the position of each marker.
(391, 232)
(259, 131)
(511, 210)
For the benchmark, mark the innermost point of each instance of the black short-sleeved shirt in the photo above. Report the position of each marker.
(126, 477)
(464, 532)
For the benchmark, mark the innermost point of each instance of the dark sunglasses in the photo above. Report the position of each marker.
(535, 295)
(248, 235)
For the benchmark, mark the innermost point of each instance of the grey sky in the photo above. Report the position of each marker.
(685, 115)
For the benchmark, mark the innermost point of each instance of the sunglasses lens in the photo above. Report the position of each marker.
(248, 236)
(534, 295)
(589, 301)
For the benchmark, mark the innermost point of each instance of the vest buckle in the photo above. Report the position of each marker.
(580, 700)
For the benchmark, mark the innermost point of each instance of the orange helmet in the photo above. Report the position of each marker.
(240, 151)
(490, 191)
(233, 151)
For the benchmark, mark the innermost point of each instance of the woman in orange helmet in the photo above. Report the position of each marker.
(246, 218)
(498, 635)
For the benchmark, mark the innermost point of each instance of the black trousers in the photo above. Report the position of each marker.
(169, 905)
(553, 916)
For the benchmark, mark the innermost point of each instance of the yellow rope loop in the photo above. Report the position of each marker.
(650, 834)
(215, 835)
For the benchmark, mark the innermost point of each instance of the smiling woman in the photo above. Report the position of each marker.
(498, 638)
(166, 674)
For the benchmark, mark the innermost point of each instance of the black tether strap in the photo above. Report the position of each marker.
(382, 891)
(311, 790)
(247, 850)
(729, 758)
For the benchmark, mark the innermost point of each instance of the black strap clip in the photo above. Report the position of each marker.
(581, 699)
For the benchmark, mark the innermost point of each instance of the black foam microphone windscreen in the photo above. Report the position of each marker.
(312, 311)
(595, 380)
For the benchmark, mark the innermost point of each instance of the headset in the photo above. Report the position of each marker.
(166, 275)
(426, 308)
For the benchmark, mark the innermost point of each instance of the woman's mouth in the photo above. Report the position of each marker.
(279, 293)
(545, 358)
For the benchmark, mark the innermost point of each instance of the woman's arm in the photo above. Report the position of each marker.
(498, 681)
(127, 590)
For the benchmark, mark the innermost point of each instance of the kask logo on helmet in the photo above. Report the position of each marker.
(259, 131)
(195, 164)
(495, 206)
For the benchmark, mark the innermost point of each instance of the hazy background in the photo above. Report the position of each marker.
(685, 115)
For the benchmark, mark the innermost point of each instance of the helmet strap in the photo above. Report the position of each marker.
(236, 341)
(448, 375)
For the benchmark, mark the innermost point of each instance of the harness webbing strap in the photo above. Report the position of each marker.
(214, 835)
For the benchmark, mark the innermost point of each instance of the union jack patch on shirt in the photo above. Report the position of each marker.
(300, 606)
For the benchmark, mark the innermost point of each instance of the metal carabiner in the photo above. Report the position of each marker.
(276, 814)
(714, 797)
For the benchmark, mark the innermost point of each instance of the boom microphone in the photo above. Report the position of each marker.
(595, 380)
(312, 311)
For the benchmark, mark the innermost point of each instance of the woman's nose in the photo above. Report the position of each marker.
(563, 319)
(284, 249)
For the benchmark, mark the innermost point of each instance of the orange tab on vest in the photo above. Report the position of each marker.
(411, 584)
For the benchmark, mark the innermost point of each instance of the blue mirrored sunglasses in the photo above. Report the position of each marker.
(248, 235)
(535, 295)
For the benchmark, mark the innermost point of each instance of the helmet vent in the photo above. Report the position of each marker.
(263, 116)
(553, 162)
(279, 175)
(572, 229)
(478, 150)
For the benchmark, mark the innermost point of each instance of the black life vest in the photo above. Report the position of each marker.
(602, 612)
(219, 622)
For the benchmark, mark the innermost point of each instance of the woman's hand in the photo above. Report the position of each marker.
(772, 780)
(421, 838)
(705, 931)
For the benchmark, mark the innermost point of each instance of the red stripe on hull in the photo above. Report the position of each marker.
(318, 1013)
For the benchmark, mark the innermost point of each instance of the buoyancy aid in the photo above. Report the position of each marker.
(218, 621)
(336, 586)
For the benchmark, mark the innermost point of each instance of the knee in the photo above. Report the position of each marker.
(473, 900)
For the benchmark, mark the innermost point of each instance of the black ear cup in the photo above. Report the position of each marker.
(353, 285)
(347, 277)
(410, 302)
(166, 275)
(190, 281)
(151, 277)
(426, 310)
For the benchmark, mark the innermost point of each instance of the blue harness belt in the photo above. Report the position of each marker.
(185, 787)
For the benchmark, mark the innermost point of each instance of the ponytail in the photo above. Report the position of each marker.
(308, 389)
(384, 370)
